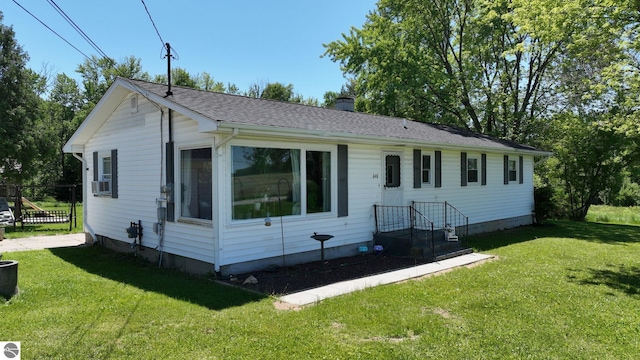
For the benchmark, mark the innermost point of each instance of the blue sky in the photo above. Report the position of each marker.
(239, 41)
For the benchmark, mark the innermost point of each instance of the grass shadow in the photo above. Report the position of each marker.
(613, 234)
(623, 278)
(127, 269)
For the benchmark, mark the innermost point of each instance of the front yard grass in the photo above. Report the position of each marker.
(561, 291)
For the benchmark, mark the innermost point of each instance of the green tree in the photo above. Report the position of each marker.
(19, 109)
(64, 105)
(595, 135)
(590, 154)
(277, 91)
(99, 73)
(481, 65)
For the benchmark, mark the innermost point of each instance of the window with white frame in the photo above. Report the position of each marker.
(105, 173)
(105, 168)
(513, 170)
(196, 183)
(269, 181)
(472, 170)
(426, 169)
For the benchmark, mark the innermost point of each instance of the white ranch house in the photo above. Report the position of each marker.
(204, 173)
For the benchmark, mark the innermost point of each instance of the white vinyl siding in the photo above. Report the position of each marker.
(137, 138)
(493, 201)
(223, 241)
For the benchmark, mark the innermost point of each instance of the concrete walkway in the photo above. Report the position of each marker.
(41, 242)
(318, 294)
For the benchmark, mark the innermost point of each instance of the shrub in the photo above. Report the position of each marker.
(545, 206)
(629, 194)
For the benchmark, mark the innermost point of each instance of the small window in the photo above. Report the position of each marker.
(426, 169)
(513, 172)
(472, 170)
(134, 103)
(196, 183)
(106, 168)
(105, 173)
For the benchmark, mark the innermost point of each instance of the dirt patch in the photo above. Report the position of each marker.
(285, 280)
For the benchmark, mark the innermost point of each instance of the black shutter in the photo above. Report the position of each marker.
(417, 168)
(521, 177)
(438, 174)
(343, 181)
(169, 180)
(483, 167)
(506, 169)
(95, 166)
(463, 169)
(114, 173)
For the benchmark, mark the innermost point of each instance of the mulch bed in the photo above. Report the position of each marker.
(280, 280)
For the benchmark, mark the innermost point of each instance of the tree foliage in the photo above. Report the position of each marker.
(563, 76)
(480, 64)
(19, 110)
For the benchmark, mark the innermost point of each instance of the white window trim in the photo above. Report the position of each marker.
(432, 156)
(478, 159)
(303, 147)
(177, 192)
(515, 162)
(134, 103)
(101, 168)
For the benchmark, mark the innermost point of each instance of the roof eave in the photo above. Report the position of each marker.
(317, 135)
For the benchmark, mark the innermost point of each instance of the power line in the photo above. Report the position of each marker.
(50, 29)
(153, 23)
(77, 29)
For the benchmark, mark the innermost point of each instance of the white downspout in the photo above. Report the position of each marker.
(85, 223)
(225, 140)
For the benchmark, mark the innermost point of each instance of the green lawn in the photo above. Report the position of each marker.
(561, 291)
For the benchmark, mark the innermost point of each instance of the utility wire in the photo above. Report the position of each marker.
(50, 29)
(77, 29)
(152, 22)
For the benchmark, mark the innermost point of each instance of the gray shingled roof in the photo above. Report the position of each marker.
(241, 110)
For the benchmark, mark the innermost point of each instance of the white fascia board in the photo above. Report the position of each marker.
(315, 135)
(107, 104)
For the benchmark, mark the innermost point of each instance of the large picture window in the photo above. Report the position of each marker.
(266, 181)
(271, 182)
(196, 183)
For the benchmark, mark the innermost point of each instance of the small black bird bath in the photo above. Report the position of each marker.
(322, 238)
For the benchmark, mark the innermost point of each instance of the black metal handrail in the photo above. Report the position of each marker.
(444, 215)
(421, 222)
(392, 218)
(395, 218)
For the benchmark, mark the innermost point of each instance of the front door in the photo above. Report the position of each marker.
(392, 196)
(392, 190)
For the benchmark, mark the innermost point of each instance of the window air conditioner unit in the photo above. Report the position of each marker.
(101, 187)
